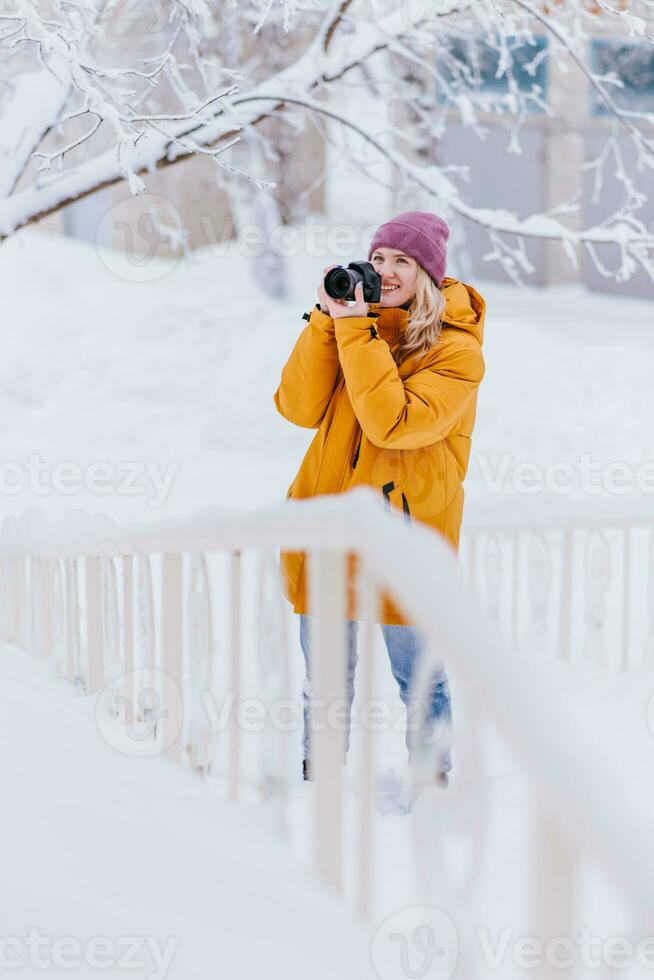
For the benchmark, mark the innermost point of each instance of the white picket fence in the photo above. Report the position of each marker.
(110, 605)
(567, 579)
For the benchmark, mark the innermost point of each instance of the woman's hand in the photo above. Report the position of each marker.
(339, 307)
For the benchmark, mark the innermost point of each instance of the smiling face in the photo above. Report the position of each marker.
(398, 272)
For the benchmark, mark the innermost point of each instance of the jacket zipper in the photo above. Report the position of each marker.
(355, 459)
(303, 562)
(336, 408)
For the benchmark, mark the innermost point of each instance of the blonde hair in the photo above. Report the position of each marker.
(425, 318)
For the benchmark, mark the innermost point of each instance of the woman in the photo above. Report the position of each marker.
(392, 390)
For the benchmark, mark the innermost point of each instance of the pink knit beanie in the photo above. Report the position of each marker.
(420, 234)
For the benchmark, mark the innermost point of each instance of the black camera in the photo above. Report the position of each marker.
(340, 282)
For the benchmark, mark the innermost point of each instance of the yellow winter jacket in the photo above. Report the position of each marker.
(405, 431)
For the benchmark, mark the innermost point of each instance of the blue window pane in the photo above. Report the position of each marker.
(633, 64)
(474, 64)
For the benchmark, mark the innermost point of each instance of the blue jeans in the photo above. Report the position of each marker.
(404, 645)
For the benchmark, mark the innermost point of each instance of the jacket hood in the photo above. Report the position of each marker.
(465, 309)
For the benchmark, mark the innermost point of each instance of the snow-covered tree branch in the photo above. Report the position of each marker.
(92, 94)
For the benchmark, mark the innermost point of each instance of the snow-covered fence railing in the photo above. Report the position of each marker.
(571, 579)
(104, 601)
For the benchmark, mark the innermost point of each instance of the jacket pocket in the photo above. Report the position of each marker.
(387, 490)
(426, 483)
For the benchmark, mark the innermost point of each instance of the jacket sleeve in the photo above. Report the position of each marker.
(309, 375)
(408, 414)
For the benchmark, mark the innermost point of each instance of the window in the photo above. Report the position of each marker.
(476, 64)
(632, 64)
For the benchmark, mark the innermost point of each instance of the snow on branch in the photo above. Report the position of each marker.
(632, 237)
(93, 93)
(33, 101)
(138, 147)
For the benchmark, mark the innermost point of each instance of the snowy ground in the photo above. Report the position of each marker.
(143, 856)
(97, 844)
(179, 373)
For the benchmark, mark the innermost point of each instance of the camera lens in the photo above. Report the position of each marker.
(338, 283)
